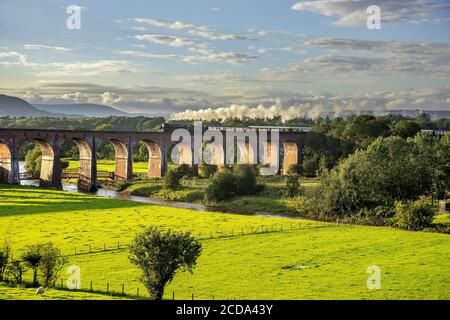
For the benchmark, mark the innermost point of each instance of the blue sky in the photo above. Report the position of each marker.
(211, 58)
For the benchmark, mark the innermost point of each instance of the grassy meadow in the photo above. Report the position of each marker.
(314, 260)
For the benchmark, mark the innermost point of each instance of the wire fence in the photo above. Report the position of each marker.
(211, 235)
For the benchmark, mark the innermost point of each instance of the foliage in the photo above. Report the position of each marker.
(294, 188)
(32, 256)
(245, 179)
(413, 215)
(160, 255)
(206, 170)
(387, 171)
(33, 160)
(5, 256)
(50, 264)
(171, 180)
(223, 186)
(16, 269)
(295, 169)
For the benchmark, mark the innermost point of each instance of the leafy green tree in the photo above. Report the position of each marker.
(406, 128)
(206, 170)
(294, 188)
(16, 269)
(171, 180)
(33, 160)
(245, 179)
(50, 264)
(222, 186)
(413, 215)
(5, 256)
(32, 256)
(160, 255)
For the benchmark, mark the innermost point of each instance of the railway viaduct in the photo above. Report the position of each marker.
(159, 145)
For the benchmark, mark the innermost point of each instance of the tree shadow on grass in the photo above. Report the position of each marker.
(45, 201)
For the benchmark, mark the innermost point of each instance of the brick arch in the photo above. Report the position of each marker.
(154, 159)
(5, 164)
(290, 155)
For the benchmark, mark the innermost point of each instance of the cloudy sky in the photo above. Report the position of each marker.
(210, 58)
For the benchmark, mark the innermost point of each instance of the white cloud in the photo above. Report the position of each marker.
(76, 97)
(41, 46)
(172, 41)
(99, 67)
(33, 97)
(353, 12)
(175, 25)
(110, 97)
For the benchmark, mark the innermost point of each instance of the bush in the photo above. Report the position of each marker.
(294, 188)
(184, 170)
(206, 170)
(33, 160)
(32, 257)
(171, 180)
(223, 186)
(245, 179)
(295, 169)
(5, 255)
(413, 215)
(160, 255)
(16, 269)
(51, 264)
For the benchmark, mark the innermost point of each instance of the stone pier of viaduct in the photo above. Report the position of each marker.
(159, 145)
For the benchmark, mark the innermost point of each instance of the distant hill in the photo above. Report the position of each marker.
(16, 107)
(81, 109)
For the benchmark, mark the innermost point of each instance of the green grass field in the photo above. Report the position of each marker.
(109, 165)
(317, 261)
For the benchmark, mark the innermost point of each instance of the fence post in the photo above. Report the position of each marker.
(137, 292)
(123, 289)
(104, 246)
(173, 295)
(107, 287)
(90, 287)
(192, 296)
(75, 249)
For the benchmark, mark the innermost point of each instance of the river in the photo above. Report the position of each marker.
(113, 194)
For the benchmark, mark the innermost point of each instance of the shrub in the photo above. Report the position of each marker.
(33, 160)
(413, 215)
(245, 179)
(32, 257)
(184, 170)
(171, 180)
(294, 169)
(16, 269)
(160, 255)
(5, 255)
(294, 188)
(223, 186)
(51, 264)
(206, 170)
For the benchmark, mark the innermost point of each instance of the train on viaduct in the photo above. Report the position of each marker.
(159, 143)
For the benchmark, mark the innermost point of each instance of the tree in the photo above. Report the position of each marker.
(171, 180)
(160, 255)
(33, 160)
(222, 186)
(406, 128)
(413, 215)
(293, 185)
(245, 179)
(32, 257)
(51, 264)
(16, 269)
(5, 255)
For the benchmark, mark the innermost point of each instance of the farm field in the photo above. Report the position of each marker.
(109, 165)
(312, 261)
